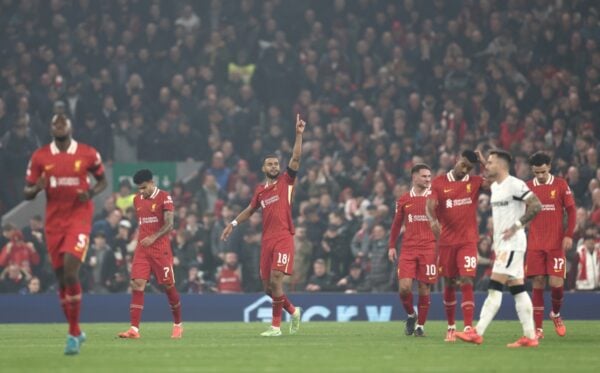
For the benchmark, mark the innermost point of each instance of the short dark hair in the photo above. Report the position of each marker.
(502, 154)
(418, 167)
(471, 156)
(270, 155)
(540, 159)
(142, 176)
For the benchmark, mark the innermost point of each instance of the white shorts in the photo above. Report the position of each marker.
(510, 263)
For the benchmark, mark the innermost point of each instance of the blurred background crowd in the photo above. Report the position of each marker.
(382, 85)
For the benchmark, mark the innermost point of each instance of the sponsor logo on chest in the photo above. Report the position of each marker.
(450, 203)
(417, 218)
(269, 201)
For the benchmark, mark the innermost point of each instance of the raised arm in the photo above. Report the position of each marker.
(297, 151)
(242, 217)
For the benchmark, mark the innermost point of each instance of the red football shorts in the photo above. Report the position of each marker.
(418, 264)
(277, 254)
(74, 242)
(147, 260)
(457, 260)
(545, 263)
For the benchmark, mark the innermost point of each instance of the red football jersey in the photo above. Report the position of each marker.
(66, 175)
(150, 213)
(457, 208)
(546, 230)
(276, 203)
(410, 211)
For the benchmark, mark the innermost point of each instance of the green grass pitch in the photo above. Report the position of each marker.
(319, 347)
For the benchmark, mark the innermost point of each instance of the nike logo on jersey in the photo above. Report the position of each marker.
(408, 205)
(447, 190)
(48, 167)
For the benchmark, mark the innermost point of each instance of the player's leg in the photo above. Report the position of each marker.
(162, 267)
(140, 273)
(62, 291)
(423, 305)
(448, 269)
(524, 309)
(467, 266)
(73, 302)
(135, 308)
(406, 298)
(557, 262)
(53, 243)
(536, 270)
(426, 275)
(277, 294)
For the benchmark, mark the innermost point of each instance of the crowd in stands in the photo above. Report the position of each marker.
(382, 85)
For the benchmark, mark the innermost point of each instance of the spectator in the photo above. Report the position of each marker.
(108, 226)
(124, 197)
(229, 275)
(19, 253)
(588, 276)
(354, 281)
(321, 279)
(33, 287)
(302, 259)
(13, 279)
(194, 284)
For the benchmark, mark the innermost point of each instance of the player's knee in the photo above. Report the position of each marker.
(404, 289)
(539, 282)
(517, 289)
(137, 284)
(556, 281)
(466, 281)
(450, 281)
(495, 285)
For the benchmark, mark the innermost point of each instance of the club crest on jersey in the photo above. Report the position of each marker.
(77, 165)
(469, 188)
(553, 194)
(153, 208)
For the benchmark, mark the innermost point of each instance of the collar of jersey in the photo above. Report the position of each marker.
(451, 177)
(70, 150)
(414, 194)
(548, 182)
(154, 194)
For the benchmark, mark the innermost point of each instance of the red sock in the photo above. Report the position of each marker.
(557, 299)
(288, 306)
(468, 304)
(73, 303)
(277, 310)
(175, 304)
(407, 302)
(424, 301)
(538, 307)
(136, 307)
(450, 304)
(62, 292)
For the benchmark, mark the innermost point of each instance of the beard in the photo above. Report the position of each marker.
(61, 138)
(273, 176)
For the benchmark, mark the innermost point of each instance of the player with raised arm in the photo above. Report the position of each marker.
(153, 254)
(548, 240)
(277, 247)
(61, 169)
(452, 213)
(513, 206)
(417, 258)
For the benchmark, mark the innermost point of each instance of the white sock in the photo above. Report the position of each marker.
(137, 330)
(525, 311)
(489, 310)
(177, 324)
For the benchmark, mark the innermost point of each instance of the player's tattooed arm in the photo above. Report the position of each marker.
(242, 217)
(534, 206)
(297, 151)
(434, 223)
(165, 229)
